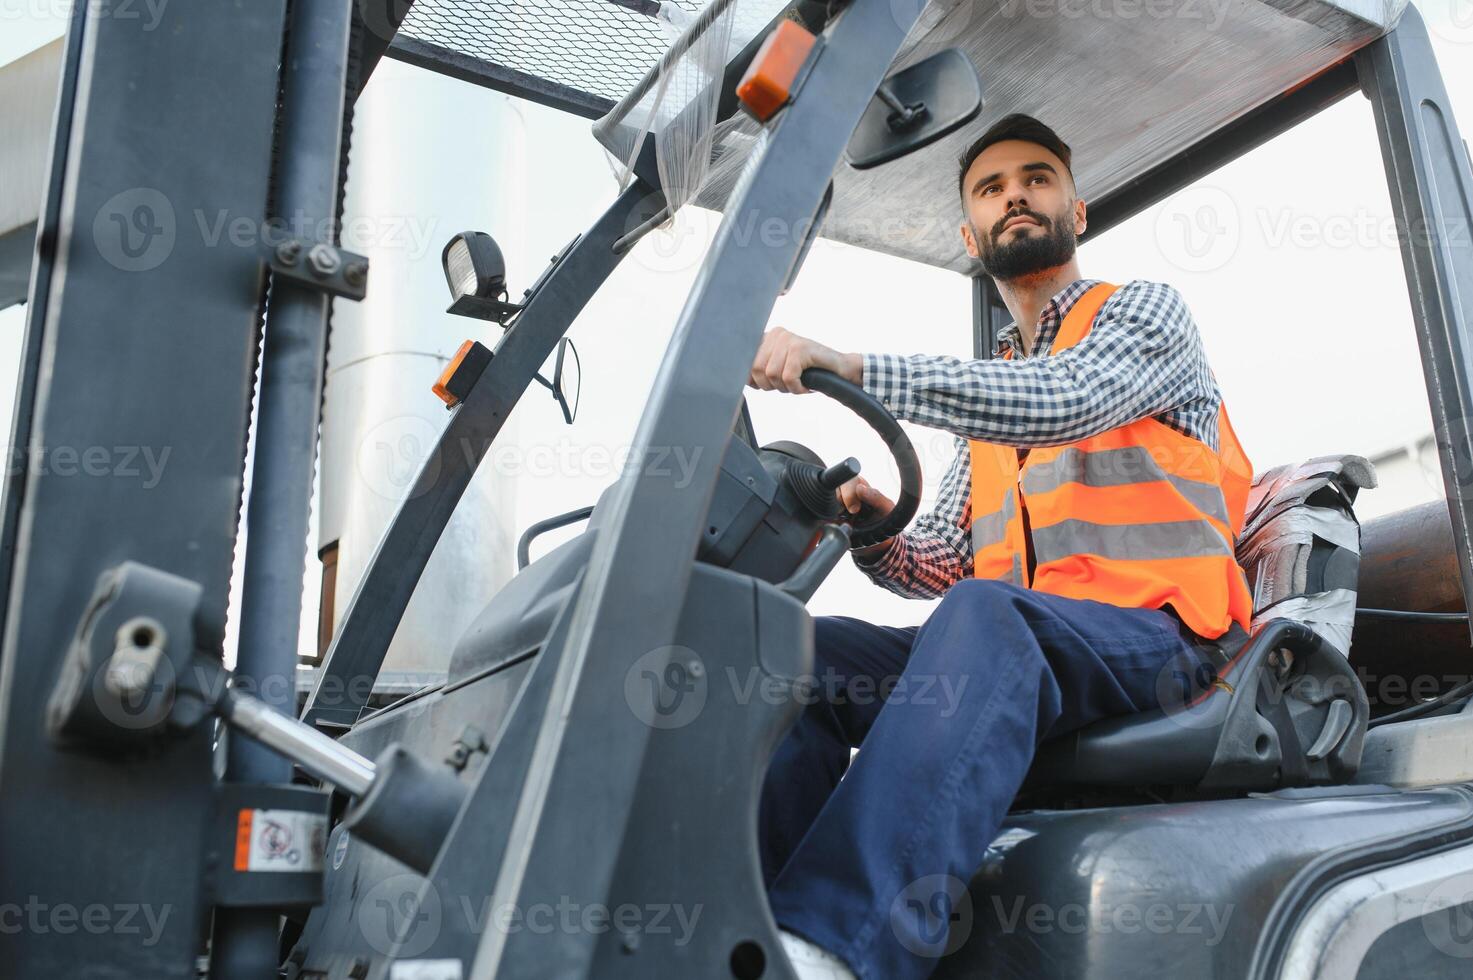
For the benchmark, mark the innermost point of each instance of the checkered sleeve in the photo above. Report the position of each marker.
(1143, 357)
(935, 552)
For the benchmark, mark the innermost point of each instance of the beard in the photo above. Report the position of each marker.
(1026, 254)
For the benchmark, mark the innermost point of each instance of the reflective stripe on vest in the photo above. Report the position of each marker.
(1139, 516)
(1128, 542)
(990, 529)
(1117, 467)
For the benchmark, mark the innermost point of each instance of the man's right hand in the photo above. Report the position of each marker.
(858, 493)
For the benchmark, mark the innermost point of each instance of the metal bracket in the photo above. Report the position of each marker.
(131, 674)
(333, 270)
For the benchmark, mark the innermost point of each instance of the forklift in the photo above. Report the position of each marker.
(578, 796)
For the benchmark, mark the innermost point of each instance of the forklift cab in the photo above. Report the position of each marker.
(1275, 717)
(601, 735)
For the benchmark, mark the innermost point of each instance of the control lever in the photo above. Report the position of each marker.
(815, 486)
(840, 473)
(833, 542)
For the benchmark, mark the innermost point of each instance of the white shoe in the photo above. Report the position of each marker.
(812, 962)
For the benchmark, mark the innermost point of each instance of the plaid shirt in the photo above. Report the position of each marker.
(1143, 357)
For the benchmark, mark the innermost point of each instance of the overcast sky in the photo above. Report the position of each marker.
(1298, 290)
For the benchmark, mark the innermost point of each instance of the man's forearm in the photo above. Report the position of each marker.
(914, 565)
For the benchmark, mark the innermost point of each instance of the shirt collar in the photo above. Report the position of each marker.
(1049, 319)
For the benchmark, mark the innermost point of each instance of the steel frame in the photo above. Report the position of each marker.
(140, 336)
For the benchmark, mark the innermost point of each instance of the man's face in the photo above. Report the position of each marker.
(1022, 216)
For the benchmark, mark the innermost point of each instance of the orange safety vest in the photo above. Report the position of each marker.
(1140, 516)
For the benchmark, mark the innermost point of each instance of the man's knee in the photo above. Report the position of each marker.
(983, 597)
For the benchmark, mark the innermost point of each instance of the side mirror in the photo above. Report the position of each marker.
(915, 107)
(567, 380)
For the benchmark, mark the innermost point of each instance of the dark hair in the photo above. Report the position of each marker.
(1013, 127)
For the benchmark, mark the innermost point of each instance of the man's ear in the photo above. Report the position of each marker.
(1081, 218)
(970, 240)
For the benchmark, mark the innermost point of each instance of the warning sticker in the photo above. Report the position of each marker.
(280, 840)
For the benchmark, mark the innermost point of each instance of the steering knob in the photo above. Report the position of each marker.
(870, 528)
(839, 474)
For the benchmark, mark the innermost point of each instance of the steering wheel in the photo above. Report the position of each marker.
(873, 528)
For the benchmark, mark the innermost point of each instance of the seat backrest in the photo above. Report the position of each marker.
(1300, 544)
(1280, 706)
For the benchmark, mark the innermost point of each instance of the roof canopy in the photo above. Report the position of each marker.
(1128, 84)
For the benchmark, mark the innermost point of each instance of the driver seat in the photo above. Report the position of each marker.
(1276, 706)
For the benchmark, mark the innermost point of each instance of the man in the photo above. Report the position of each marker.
(1082, 546)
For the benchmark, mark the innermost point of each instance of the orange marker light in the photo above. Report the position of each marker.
(768, 83)
(461, 374)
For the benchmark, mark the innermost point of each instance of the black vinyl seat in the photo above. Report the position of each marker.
(1278, 706)
(1286, 709)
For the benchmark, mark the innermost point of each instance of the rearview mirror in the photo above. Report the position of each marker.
(916, 107)
(566, 380)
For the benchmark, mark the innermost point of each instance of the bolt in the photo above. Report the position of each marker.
(356, 273)
(696, 669)
(630, 944)
(324, 260)
(287, 252)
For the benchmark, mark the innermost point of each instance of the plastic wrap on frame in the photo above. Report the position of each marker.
(1126, 83)
(675, 106)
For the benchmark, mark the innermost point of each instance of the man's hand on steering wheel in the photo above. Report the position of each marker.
(784, 356)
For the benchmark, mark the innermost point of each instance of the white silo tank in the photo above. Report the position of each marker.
(430, 157)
